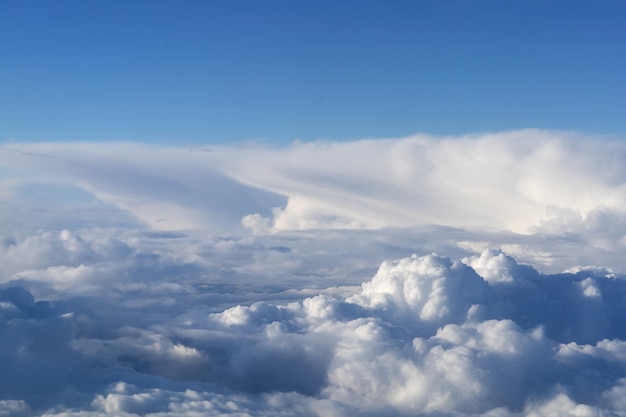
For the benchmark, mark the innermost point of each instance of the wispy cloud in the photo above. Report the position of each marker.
(517, 181)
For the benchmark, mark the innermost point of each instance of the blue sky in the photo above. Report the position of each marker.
(200, 72)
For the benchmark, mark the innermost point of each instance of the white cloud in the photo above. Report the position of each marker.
(521, 181)
(165, 188)
(504, 180)
(426, 288)
(310, 315)
(425, 335)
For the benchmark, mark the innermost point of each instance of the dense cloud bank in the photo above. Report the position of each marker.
(522, 181)
(128, 323)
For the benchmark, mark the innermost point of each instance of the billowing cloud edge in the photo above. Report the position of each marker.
(482, 335)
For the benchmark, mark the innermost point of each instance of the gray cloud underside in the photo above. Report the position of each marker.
(123, 322)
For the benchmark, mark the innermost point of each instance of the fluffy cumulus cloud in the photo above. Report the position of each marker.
(469, 276)
(137, 323)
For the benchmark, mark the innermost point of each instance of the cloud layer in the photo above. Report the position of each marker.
(517, 181)
(468, 276)
(135, 323)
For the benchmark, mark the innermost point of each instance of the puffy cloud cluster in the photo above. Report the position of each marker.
(426, 289)
(414, 339)
(428, 335)
(153, 328)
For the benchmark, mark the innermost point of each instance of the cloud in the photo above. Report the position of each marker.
(383, 278)
(505, 180)
(521, 181)
(424, 288)
(165, 188)
(156, 326)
